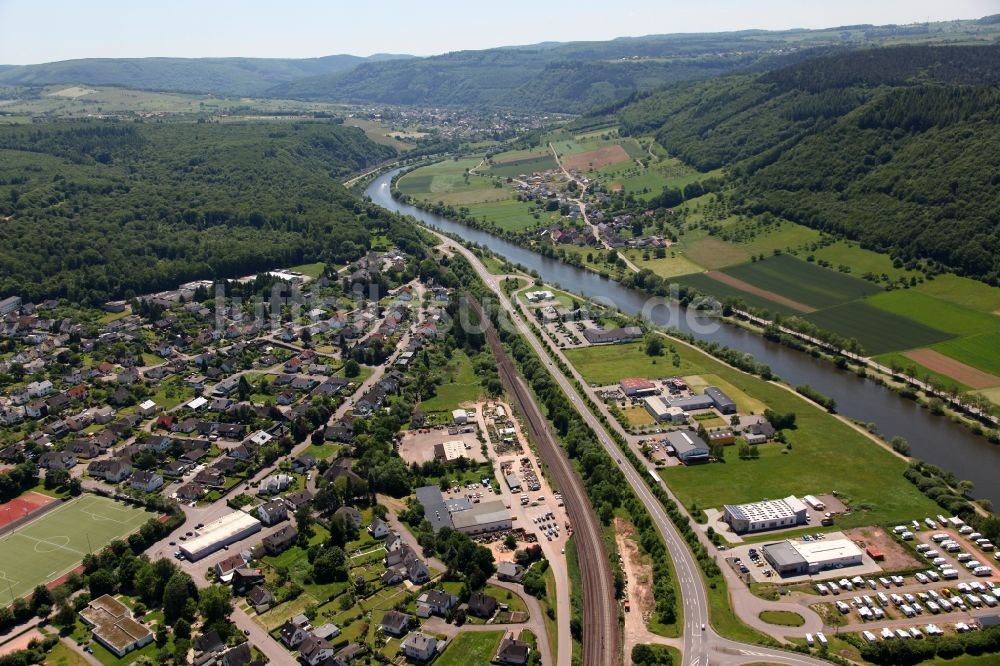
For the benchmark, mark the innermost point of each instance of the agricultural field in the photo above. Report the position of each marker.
(527, 165)
(963, 291)
(607, 364)
(720, 290)
(436, 182)
(878, 331)
(915, 369)
(935, 312)
(669, 266)
(980, 351)
(648, 181)
(861, 261)
(802, 281)
(510, 214)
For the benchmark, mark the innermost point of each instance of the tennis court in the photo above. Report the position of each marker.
(23, 506)
(55, 543)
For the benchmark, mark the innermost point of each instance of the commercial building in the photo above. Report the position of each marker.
(711, 398)
(113, 626)
(796, 558)
(482, 518)
(766, 515)
(448, 451)
(688, 447)
(722, 402)
(9, 304)
(226, 530)
(613, 337)
(661, 411)
(460, 416)
(634, 386)
(513, 482)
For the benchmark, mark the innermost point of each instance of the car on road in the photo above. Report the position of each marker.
(189, 534)
(173, 543)
(246, 632)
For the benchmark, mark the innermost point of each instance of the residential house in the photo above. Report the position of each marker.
(513, 652)
(304, 463)
(83, 448)
(274, 484)
(207, 647)
(225, 568)
(260, 598)
(378, 529)
(210, 477)
(246, 578)
(509, 571)
(313, 650)
(435, 602)
(395, 623)
(190, 491)
(350, 515)
(419, 646)
(113, 471)
(297, 499)
(56, 460)
(292, 634)
(146, 482)
(280, 541)
(273, 512)
(482, 605)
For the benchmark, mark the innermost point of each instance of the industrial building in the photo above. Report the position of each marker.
(661, 411)
(459, 416)
(711, 398)
(490, 516)
(722, 402)
(634, 386)
(451, 450)
(226, 530)
(796, 558)
(688, 447)
(461, 514)
(766, 515)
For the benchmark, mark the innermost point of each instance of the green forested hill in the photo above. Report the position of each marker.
(95, 210)
(223, 76)
(896, 147)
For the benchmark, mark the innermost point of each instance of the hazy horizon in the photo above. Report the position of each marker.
(55, 30)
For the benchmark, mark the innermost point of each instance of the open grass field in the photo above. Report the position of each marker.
(471, 647)
(720, 290)
(647, 182)
(509, 214)
(745, 403)
(935, 312)
(803, 281)
(46, 548)
(524, 166)
(782, 618)
(878, 331)
(824, 455)
(63, 655)
(441, 178)
(860, 260)
(669, 266)
(963, 291)
(714, 252)
(608, 364)
(460, 385)
(980, 351)
(310, 270)
(519, 155)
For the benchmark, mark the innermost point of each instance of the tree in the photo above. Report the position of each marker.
(182, 629)
(175, 596)
(100, 582)
(215, 603)
(351, 368)
(654, 345)
(330, 565)
(65, 617)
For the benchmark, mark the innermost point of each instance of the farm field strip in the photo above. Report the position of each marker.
(878, 331)
(979, 351)
(708, 286)
(803, 281)
(935, 312)
(949, 367)
(764, 293)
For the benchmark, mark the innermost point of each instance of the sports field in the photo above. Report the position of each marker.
(23, 506)
(54, 544)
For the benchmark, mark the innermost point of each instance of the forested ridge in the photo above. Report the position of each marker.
(91, 211)
(896, 147)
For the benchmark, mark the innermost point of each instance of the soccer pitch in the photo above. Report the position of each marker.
(57, 542)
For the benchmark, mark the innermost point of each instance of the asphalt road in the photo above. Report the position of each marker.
(702, 645)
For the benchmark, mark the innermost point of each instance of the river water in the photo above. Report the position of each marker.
(932, 438)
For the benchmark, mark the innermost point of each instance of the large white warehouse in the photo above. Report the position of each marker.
(226, 530)
(791, 558)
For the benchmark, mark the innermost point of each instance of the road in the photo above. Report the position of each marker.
(701, 645)
(600, 616)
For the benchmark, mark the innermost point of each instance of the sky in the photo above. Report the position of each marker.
(33, 31)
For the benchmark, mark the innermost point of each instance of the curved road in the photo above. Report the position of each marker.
(600, 613)
(701, 646)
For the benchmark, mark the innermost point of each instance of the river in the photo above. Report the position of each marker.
(932, 438)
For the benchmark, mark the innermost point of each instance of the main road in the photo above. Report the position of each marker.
(702, 645)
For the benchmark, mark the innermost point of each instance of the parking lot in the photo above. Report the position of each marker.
(417, 446)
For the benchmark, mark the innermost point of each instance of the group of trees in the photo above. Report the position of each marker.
(181, 201)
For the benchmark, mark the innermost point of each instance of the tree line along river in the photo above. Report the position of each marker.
(932, 438)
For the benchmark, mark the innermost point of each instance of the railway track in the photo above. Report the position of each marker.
(600, 612)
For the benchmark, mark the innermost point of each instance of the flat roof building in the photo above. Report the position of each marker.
(794, 558)
(692, 403)
(226, 530)
(722, 402)
(688, 446)
(435, 509)
(451, 450)
(660, 410)
(481, 518)
(765, 515)
(513, 482)
(459, 416)
(113, 626)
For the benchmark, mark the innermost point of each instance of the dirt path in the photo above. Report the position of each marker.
(639, 593)
(960, 372)
(719, 276)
